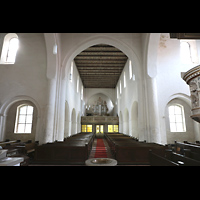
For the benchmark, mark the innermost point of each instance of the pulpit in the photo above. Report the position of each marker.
(192, 78)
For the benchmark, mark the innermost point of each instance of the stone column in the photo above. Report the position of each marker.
(153, 114)
(61, 114)
(50, 108)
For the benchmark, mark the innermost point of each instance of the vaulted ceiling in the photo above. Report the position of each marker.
(100, 66)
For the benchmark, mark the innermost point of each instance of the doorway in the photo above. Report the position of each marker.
(99, 131)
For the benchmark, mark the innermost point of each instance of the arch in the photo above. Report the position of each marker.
(126, 122)
(181, 96)
(134, 119)
(73, 122)
(78, 48)
(5, 108)
(66, 131)
(93, 98)
(100, 91)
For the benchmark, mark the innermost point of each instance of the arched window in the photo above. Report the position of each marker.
(24, 119)
(177, 118)
(9, 50)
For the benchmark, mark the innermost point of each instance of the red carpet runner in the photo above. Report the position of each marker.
(100, 149)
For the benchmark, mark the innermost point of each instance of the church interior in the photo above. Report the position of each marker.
(100, 99)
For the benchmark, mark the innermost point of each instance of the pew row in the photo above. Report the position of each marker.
(74, 150)
(128, 150)
(173, 159)
(156, 160)
(16, 148)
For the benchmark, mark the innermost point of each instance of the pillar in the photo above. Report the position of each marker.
(153, 114)
(61, 114)
(50, 108)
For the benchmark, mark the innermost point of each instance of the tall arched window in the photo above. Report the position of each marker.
(24, 119)
(12, 50)
(177, 118)
(9, 49)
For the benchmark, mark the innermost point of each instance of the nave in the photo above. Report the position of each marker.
(127, 151)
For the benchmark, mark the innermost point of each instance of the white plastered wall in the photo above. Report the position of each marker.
(25, 79)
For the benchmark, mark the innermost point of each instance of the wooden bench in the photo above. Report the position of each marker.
(156, 160)
(189, 150)
(73, 150)
(127, 150)
(172, 159)
(27, 149)
(8, 142)
(21, 149)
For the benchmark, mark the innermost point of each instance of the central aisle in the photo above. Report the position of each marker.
(100, 149)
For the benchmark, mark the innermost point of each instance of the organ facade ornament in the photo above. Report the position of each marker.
(100, 107)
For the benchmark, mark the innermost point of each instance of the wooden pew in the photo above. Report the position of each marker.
(73, 150)
(8, 142)
(27, 148)
(174, 159)
(186, 161)
(21, 149)
(156, 160)
(127, 150)
(190, 150)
